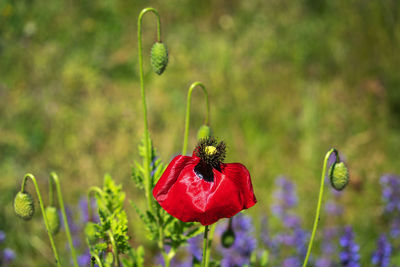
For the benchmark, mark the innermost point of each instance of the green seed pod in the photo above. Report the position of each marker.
(53, 219)
(339, 176)
(228, 238)
(24, 206)
(90, 232)
(159, 57)
(204, 132)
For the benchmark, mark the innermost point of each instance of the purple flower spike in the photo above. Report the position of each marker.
(8, 255)
(291, 262)
(2, 236)
(391, 193)
(381, 256)
(349, 256)
(285, 196)
(195, 247)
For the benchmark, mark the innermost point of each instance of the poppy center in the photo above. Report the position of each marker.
(211, 154)
(210, 150)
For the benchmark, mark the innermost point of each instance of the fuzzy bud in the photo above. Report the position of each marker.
(24, 206)
(204, 132)
(228, 238)
(90, 232)
(159, 57)
(53, 219)
(339, 176)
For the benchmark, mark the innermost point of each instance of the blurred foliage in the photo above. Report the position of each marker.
(287, 81)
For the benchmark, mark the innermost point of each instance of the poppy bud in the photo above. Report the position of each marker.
(159, 57)
(339, 176)
(90, 232)
(24, 206)
(204, 132)
(228, 238)
(53, 219)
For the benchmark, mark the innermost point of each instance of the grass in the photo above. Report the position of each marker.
(287, 83)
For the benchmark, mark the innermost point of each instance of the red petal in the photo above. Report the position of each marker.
(189, 198)
(169, 177)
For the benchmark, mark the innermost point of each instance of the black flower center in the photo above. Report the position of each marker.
(211, 154)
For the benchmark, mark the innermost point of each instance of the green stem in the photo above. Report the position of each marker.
(147, 177)
(210, 239)
(206, 244)
(46, 223)
(321, 191)
(92, 189)
(115, 248)
(187, 117)
(54, 177)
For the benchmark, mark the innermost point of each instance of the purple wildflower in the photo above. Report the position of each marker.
(292, 236)
(332, 208)
(349, 256)
(291, 262)
(243, 246)
(391, 193)
(285, 196)
(381, 256)
(2, 236)
(195, 247)
(8, 255)
(328, 248)
(84, 259)
(395, 228)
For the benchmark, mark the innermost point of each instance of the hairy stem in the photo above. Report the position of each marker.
(321, 191)
(54, 178)
(187, 117)
(147, 178)
(206, 244)
(46, 223)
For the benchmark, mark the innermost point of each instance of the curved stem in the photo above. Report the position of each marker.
(321, 191)
(53, 246)
(54, 177)
(147, 178)
(187, 118)
(92, 189)
(115, 248)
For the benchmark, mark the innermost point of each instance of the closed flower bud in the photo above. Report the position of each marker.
(204, 132)
(159, 57)
(339, 176)
(90, 232)
(53, 219)
(228, 238)
(24, 206)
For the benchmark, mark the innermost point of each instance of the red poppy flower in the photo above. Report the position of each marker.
(203, 189)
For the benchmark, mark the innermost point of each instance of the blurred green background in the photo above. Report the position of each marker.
(287, 81)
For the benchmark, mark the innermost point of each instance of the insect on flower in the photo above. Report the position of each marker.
(202, 188)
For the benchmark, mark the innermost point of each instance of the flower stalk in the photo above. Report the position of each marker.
(205, 247)
(318, 211)
(187, 117)
(147, 178)
(54, 178)
(53, 246)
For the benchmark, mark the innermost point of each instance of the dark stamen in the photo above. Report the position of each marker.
(211, 152)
